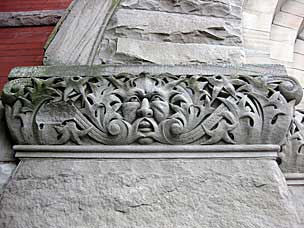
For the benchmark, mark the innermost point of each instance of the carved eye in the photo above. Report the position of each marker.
(157, 98)
(133, 99)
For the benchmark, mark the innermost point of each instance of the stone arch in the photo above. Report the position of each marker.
(273, 33)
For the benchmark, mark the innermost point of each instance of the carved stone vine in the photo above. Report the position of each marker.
(292, 154)
(151, 109)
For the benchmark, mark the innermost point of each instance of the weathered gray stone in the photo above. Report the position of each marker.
(170, 28)
(295, 182)
(81, 38)
(30, 18)
(6, 170)
(215, 8)
(147, 193)
(79, 35)
(297, 193)
(123, 109)
(6, 151)
(137, 51)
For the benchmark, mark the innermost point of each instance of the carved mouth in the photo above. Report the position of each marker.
(145, 126)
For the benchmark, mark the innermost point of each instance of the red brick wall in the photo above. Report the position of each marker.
(23, 46)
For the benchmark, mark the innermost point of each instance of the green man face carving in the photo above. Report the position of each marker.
(146, 103)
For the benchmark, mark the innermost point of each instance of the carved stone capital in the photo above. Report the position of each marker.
(203, 108)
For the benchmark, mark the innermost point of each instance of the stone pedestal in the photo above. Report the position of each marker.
(233, 188)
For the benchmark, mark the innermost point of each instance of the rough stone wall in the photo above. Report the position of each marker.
(157, 31)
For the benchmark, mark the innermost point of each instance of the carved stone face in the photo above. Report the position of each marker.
(146, 106)
(145, 109)
(148, 103)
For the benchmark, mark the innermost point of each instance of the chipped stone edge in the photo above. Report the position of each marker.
(99, 70)
(268, 152)
(294, 179)
(30, 18)
(58, 25)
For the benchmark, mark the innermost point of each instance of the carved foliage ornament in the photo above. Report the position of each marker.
(151, 109)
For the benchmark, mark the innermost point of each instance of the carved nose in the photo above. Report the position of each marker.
(145, 109)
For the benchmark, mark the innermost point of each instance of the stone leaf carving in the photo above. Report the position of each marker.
(292, 154)
(151, 109)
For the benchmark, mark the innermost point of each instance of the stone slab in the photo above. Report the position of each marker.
(81, 32)
(288, 20)
(163, 29)
(174, 27)
(30, 18)
(216, 8)
(225, 69)
(136, 51)
(256, 40)
(147, 193)
(294, 7)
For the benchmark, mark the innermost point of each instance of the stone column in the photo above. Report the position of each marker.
(149, 146)
(213, 186)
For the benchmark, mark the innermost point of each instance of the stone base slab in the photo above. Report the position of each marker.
(147, 193)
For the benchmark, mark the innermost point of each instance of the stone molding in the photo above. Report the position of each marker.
(294, 179)
(159, 108)
(149, 152)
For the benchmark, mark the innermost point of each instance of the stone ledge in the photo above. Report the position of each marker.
(294, 179)
(31, 18)
(147, 152)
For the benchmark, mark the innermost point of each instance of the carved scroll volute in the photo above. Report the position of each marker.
(151, 109)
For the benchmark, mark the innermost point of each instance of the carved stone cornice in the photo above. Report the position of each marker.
(152, 108)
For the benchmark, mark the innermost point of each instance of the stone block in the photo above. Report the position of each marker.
(299, 46)
(283, 34)
(147, 193)
(129, 50)
(257, 57)
(215, 8)
(261, 5)
(282, 51)
(294, 7)
(297, 196)
(298, 61)
(172, 27)
(295, 182)
(256, 40)
(257, 20)
(288, 20)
